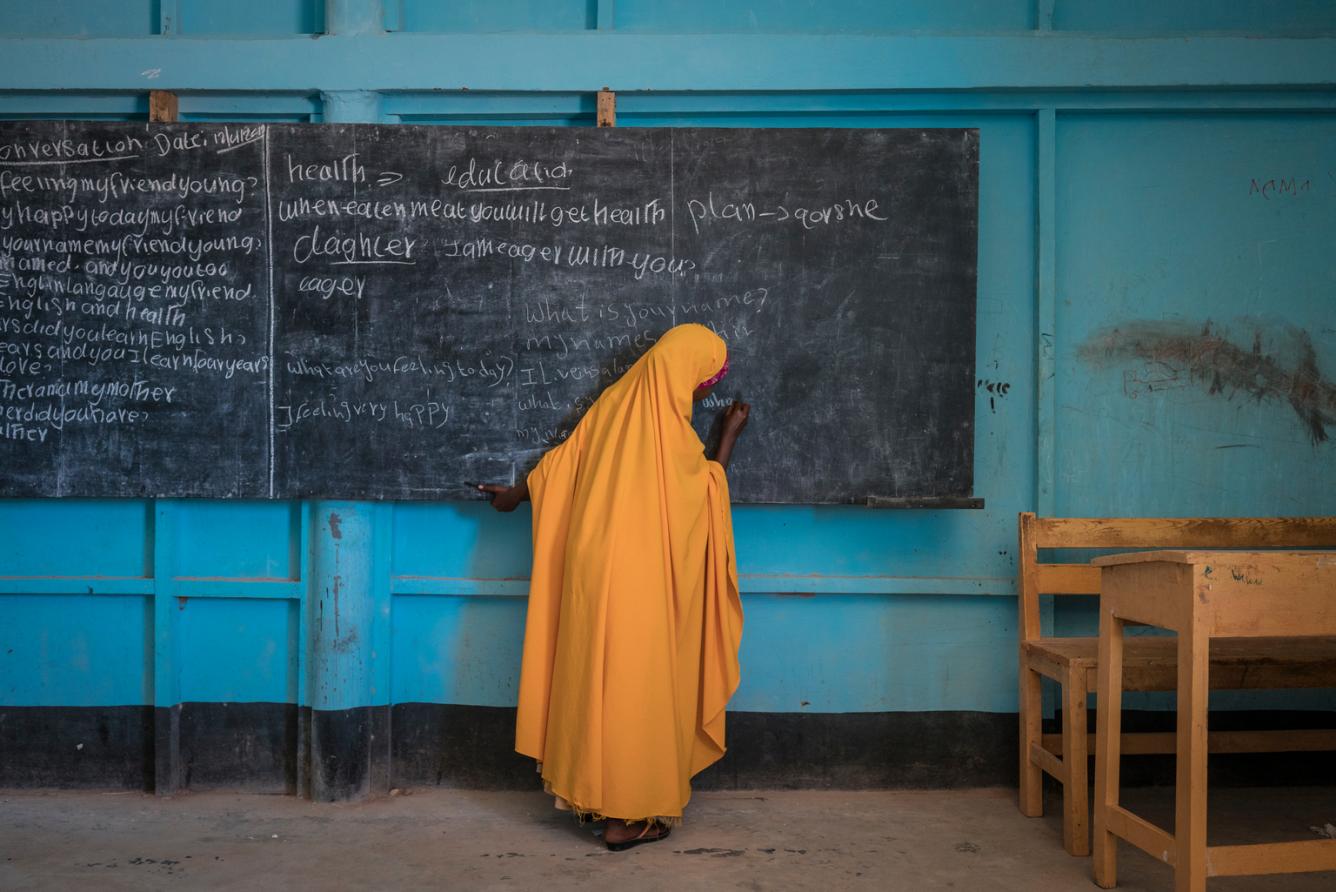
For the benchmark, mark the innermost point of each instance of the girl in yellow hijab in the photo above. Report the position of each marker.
(631, 642)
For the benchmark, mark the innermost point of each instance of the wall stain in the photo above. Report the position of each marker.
(334, 521)
(1205, 355)
(345, 644)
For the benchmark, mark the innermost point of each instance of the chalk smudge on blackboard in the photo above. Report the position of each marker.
(1180, 354)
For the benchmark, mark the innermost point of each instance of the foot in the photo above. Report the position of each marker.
(620, 835)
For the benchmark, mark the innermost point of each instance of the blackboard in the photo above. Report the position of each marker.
(391, 312)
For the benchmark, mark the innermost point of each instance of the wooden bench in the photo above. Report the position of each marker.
(1149, 663)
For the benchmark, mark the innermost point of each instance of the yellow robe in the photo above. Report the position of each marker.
(634, 622)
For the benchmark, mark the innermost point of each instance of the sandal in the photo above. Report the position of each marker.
(634, 841)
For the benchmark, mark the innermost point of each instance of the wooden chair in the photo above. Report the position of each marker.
(1149, 662)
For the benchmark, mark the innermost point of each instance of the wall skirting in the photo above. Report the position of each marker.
(258, 747)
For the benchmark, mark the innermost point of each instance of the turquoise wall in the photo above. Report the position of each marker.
(1154, 167)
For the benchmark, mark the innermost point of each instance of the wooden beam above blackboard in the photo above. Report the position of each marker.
(163, 107)
(607, 108)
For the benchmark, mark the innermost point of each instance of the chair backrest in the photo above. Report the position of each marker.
(1142, 534)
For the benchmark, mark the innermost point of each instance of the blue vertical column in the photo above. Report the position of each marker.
(349, 733)
(354, 16)
(350, 107)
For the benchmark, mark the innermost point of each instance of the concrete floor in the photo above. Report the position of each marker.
(468, 839)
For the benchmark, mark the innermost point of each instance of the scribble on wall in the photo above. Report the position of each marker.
(1171, 354)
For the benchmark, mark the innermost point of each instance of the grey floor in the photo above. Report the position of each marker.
(467, 839)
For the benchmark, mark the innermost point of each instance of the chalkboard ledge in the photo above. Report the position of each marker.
(924, 502)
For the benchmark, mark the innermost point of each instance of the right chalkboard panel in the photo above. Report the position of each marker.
(858, 357)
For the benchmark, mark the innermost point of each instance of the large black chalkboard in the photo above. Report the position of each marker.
(388, 312)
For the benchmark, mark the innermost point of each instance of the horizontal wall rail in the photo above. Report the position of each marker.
(630, 62)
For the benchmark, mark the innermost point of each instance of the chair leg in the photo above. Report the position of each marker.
(1075, 755)
(1032, 714)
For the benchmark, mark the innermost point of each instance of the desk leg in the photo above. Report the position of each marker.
(1108, 744)
(1194, 667)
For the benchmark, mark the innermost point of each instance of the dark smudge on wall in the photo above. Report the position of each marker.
(1176, 354)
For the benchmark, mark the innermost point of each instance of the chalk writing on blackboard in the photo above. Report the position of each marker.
(385, 312)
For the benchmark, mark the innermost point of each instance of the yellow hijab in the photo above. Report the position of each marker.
(631, 643)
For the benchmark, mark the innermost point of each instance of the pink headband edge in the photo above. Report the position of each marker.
(718, 376)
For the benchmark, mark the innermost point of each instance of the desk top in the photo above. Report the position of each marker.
(1319, 558)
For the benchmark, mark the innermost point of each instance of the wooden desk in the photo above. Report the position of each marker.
(1200, 595)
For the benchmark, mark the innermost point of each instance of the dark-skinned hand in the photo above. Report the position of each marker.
(504, 498)
(735, 419)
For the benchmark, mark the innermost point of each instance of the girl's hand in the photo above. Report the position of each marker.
(735, 419)
(504, 498)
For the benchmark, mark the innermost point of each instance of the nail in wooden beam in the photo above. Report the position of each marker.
(162, 107)
(607, 108)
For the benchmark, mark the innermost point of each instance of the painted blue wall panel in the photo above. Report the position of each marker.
(496, 15)
(555, 109)
(79, 18)
(1177, 222)
(824, 15)
(456, 649)
(127, 18)
(75, 650)
(237, 650)
(258, 17)
(460, 539)
(1304, 17)
(870, 653)
(75, 537)
(276, 108)
(237, 539)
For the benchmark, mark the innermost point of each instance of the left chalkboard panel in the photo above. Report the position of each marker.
(135, 338)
